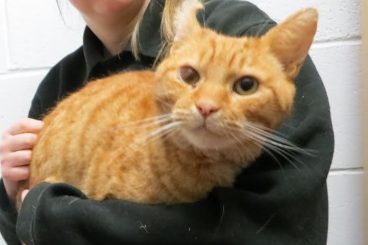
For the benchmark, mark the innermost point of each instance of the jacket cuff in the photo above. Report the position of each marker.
(8, 217)
(33, 209)
(6, 206)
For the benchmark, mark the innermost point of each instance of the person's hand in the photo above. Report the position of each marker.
(15, 153)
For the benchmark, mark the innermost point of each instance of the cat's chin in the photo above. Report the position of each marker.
(204, 139)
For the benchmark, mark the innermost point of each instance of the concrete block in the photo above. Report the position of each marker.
(16, 93)
(340, 68)
(38, 37)
(3, 38)
(339, 19)
(346, 208)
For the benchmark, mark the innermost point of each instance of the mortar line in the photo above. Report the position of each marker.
(356, 170)
(336, 42)
(7, 35)
(23, 73)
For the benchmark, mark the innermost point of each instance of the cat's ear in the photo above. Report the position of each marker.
(291, 40)
(185, 20)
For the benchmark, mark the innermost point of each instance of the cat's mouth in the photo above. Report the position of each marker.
(208, 137)
(205, 128)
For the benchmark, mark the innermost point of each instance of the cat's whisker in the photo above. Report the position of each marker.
(163, 136)
(183, 117)
(270, 153)
(169, 133)
(265, 148)
(147, 122)
(269, 149)
(142, 141)
(266, 129)
(151, 119)
(183, 112)
(267, 144)
(282, 153)
(137, 146)
(164, 103)
(239, 142)
(276, 140)
(161, 130)
(285, 148)
(232, 134)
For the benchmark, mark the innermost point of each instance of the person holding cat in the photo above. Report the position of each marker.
(274, 201)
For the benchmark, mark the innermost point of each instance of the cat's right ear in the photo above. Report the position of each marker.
(185, 20)
(290, 41)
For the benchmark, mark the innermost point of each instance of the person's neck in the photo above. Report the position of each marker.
(115, 31)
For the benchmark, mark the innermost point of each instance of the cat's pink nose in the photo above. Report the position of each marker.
(206, 108)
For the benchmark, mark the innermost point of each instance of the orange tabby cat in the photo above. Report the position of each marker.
(172, 135)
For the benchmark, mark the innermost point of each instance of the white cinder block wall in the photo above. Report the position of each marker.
(33, 37)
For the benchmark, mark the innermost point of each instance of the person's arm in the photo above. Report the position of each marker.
(16, 145)
(272, 202)
(15, 155)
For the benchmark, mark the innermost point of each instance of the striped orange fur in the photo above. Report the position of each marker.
(173, 134)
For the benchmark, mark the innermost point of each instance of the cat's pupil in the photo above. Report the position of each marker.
(189, 75)
(246, 85)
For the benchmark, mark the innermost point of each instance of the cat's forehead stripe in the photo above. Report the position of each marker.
(235, 56)
(232, 59)
(217, 47)
(208, 54)
(213, 46)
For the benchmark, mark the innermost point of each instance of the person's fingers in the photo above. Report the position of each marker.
(18, 142)
(27, 125)
(16, 159)
(15, 174)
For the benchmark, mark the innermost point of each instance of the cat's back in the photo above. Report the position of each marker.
(91, 121)
(113, 99)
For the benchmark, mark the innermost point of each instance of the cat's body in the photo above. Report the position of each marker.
(106, 155)
(172, 135)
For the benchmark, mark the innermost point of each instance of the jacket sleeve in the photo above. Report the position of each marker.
(8, 218)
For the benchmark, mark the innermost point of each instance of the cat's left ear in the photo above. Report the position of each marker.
(185, 19)
(290, 41)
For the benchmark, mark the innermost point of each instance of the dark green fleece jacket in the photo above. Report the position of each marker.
(274, 202)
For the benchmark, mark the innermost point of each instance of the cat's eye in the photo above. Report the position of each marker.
(189, 75)
(246, 85)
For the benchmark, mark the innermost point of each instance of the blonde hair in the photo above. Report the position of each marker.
(167, 28)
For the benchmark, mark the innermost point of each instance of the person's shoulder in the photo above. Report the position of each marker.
(61, 79)
(235, 17)
(68, 66)
(71, 61)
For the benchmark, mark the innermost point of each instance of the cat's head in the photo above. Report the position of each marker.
(222, 88)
